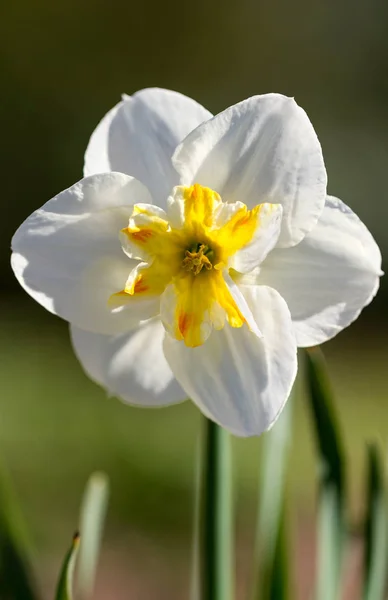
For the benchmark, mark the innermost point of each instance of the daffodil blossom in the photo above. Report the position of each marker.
(197, 253)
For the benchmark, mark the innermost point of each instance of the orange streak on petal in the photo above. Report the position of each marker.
(142, 235)
(243, 221)
(140, 285)
(184, 323)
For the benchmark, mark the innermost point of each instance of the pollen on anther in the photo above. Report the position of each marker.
(194, 261)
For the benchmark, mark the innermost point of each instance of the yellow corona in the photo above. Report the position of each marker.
(187, 253)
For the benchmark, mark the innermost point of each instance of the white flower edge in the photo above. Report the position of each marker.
(68, 257)
(139, 135)
(131, 366)
(329, 277)
(263, 149)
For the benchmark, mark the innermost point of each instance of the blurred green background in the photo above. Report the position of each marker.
(63, 66)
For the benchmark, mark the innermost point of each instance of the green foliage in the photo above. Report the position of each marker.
(280, 583)
(328, 435)
(270, 561)
(213, 569)
(272, 558)
(66, 579)
(214, 535)
(92, 517)
(93, 511)
(15, 574)
(331, 478)
(376, 529)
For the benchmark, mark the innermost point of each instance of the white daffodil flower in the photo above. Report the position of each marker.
(198, 253)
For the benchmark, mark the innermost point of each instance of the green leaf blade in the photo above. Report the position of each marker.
(16, 581)
(280, 583)
(214, 535)
(271, 569)
(327, 430)
(66, 579)
(376, 529)
(331, 518)
(15, 576)
(92, 518)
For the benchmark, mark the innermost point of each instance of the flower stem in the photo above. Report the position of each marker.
(269, 563)
(214, 527)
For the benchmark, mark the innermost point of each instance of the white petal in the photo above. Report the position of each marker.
(139, 135)
(263, 241)
(67, 255)
(225, 212)
(131, 366)
(263, 149)
(237, 379)
(329, 277)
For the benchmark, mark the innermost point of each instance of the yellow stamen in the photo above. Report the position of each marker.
(195, 261)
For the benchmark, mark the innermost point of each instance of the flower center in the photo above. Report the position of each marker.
(199, 256)
(185, 256)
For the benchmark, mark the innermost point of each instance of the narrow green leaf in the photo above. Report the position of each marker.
(280, 584)
(15, 575)
(331, 522)
(65, 583)
(16, 582)
(269, 532)
(376, 529)
(92, 518)
(215, 539)
(330, 543)
(195, 590)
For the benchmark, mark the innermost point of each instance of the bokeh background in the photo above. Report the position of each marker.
(63, 65)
